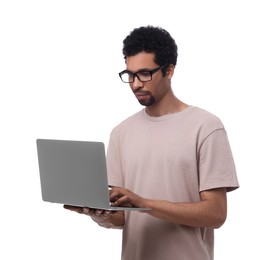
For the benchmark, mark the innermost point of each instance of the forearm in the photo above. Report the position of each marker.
(199, 214)
(210, 211)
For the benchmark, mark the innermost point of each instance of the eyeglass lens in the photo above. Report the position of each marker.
(142, 76)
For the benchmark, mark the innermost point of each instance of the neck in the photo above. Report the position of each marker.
(169, 105)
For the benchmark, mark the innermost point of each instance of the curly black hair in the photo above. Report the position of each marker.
(152, 40)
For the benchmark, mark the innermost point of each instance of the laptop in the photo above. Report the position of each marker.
(74, 173)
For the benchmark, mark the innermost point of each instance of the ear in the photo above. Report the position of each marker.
(170, 71)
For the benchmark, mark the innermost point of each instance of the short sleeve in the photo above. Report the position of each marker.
(216, 165)
(113, 164)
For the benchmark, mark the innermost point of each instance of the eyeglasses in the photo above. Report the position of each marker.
(143, 75)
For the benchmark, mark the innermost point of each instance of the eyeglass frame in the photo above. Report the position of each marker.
(140, 71)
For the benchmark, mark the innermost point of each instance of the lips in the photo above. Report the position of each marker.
(141, 95)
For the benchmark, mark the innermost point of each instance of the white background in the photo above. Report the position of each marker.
(59, 64)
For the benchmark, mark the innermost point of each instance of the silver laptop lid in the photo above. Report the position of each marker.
(73, 172)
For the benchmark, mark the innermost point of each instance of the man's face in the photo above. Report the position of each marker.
(151, 92)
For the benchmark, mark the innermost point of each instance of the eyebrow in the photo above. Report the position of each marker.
(141, 70)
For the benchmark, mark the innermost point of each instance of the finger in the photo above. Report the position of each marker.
(114, 195)
(101, 215)
(93, 212)
(86, 211)
(122, 200)
(106, 213)
(113, 188)
(117, 193)
(98, 212)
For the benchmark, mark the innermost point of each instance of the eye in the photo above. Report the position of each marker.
(143, 74)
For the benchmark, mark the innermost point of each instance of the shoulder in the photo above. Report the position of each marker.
(204, 122)
(128, 123)
(130, 120)
(204, 117)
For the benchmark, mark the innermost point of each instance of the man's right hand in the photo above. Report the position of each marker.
(104, 218)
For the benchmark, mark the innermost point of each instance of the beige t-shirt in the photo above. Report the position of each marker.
(173, 158)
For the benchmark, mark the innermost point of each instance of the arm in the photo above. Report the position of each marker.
(210, 211)
(104, 218)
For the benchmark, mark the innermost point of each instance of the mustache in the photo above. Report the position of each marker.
(141, 91)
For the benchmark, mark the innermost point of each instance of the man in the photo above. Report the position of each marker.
(170, 157)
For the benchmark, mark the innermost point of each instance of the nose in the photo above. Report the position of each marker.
(136, 84)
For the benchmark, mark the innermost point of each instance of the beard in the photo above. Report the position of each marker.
(147, 102)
